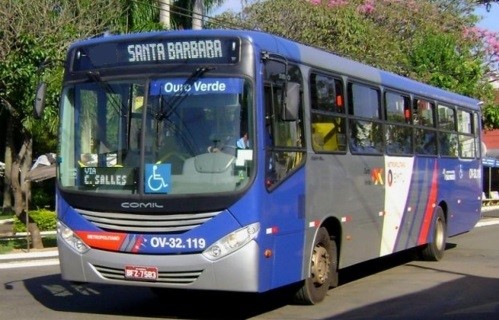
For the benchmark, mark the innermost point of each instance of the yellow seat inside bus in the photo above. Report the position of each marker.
(326, 137)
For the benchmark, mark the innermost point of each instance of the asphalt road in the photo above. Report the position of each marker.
(465, 285)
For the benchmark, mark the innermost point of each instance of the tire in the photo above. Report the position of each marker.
(434, 251)
(323, 270)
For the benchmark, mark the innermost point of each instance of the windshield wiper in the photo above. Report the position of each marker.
(176, 100)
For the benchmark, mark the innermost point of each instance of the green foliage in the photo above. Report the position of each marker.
(438, 60)
(43, 195)
(40, 32)
(424, 39)
(490, 114)
(137, 16)
(45, 220)
(18, 71)
(9, 245)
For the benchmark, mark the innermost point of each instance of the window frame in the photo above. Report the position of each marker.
(469, 135)
(324, 140)
(422, 126)
(448, 144)
(400, 125)
(373, 123)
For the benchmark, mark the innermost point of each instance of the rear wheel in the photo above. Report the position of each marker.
(323, 270)
(434, 251)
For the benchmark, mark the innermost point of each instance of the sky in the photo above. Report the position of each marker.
(490, 19)
(234, 5)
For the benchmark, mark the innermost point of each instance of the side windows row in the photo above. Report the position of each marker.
(393, 122)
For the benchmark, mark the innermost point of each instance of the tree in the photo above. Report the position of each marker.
(164, 13)
(18, 72)
(38, 33)
(198, 14)
(144, 15)
(31, 33)
(487, 3)
(187, 14)
(405, 37)
(435, 60)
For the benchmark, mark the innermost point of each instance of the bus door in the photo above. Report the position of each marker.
(284, 174)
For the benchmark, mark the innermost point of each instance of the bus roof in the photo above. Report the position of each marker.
(310, 56)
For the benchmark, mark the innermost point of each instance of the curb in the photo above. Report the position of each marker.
(490, 212)
(29, 256)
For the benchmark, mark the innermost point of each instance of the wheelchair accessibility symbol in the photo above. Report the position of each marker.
(158, 178)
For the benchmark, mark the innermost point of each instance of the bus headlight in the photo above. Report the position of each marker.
(232, 242)
(71, 238)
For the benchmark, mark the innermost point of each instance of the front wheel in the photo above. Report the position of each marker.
(323, 270)
(434, 251)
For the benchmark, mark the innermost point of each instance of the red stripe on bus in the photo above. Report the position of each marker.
(425, 228)
(138, 244)
(102, 240)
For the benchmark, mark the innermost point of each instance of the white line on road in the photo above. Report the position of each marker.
(33, 263)
(487, 222)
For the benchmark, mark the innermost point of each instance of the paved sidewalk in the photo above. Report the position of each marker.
(490, 212)
(31, 255)
(6, 229)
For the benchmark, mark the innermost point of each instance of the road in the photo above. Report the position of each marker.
(465, 285)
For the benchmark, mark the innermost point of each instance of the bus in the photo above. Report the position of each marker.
(240, 161)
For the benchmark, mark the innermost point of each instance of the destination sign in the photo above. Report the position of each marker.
(106, 176)
(178, 50)
(200, 86)
(156, 51)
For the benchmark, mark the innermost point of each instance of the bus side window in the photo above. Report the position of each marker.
(447, 138)
(398, 129)
(327, 114)
(366, 134)
(467, 145)
(425, 134)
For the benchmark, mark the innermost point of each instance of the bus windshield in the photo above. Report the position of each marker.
(159, 136)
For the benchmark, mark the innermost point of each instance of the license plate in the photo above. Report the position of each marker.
(141, 273)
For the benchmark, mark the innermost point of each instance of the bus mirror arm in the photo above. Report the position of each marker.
(39, 104)
(41, 90)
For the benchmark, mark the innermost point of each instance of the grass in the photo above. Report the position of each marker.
(9, 245)
(6, 216)
(13, 244)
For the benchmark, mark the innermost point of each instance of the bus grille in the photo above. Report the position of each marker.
(147, 223)
(179, 277)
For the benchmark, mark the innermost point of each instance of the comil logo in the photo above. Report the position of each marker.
(141, 205)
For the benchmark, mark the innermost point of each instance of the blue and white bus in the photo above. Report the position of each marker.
(241, 161)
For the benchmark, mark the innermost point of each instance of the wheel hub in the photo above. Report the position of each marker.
(320, 265)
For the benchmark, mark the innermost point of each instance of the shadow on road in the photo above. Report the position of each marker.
(59, 295)
(467, 297)
(454, 300)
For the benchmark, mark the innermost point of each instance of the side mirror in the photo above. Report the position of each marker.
(292, 102)
(39, 105)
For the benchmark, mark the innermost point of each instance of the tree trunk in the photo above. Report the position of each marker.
(197, 15)
(164, 14)
(25, 167)
(21, 190)
(7, 195)
(33, 230)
